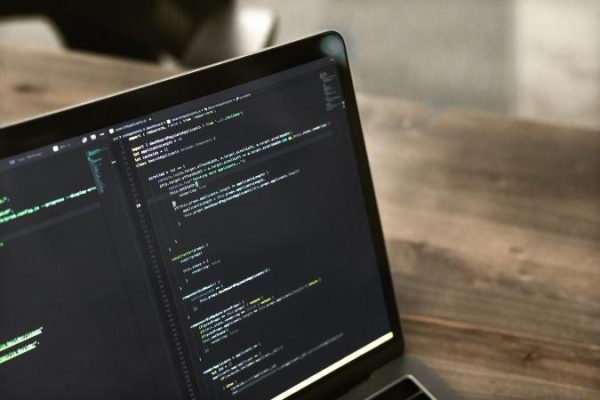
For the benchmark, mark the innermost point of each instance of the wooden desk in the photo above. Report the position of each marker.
(492, 227)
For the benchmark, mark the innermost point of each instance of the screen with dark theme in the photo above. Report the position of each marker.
(217, 249)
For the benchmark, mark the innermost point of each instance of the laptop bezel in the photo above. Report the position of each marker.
(74, 121)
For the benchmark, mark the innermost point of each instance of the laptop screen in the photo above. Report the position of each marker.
(216, 249)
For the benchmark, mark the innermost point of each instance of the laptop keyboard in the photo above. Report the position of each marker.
(406, 388)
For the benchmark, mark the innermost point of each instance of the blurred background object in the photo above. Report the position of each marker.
(194, 32)
(529, 58)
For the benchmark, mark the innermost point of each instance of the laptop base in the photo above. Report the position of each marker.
(405, 367)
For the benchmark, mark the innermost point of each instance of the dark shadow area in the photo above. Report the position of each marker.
(193, 32)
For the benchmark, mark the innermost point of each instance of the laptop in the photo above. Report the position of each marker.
(213, 235)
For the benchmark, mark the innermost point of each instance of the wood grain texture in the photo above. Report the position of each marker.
(34, 81)
(492, 227)
(493, 233)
